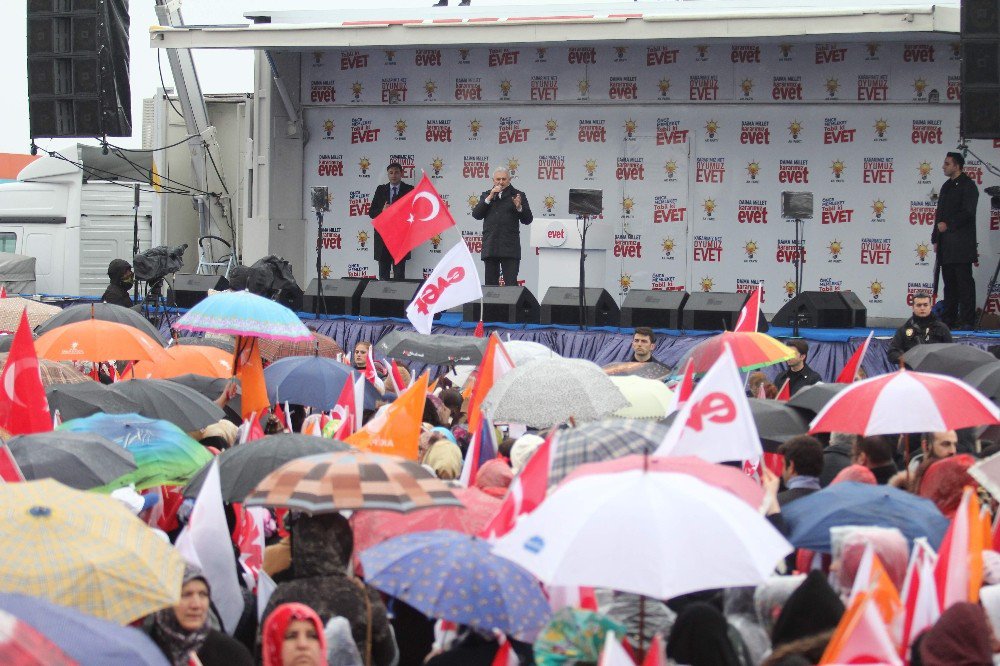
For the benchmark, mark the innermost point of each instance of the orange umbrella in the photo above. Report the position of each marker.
(96, 340)
(188, 359)
(752, 351)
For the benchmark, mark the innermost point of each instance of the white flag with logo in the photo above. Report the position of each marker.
(453, 282)
(715, 423)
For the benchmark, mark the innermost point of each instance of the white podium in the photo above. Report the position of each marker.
(558, 243)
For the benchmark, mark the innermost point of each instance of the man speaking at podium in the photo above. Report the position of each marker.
(502, 209)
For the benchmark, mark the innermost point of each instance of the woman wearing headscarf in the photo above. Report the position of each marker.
(184, 630)
(961, 637)
(494, 477)
(293, 636)
(701, 636)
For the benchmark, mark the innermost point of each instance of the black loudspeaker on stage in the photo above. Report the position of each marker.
(656, 309)
(822, 309)
(980, 79)
(511, 305)
(388, 298)
(78, 68)
(561, 305)
(712, 311)
(342, 297)
(191, 288)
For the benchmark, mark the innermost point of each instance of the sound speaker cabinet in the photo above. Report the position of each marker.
(511, 305)
(561, 305)
(387, 298)
(815, 309)
(656, 309)
(191, 288)
(342, 297)
(712, 311)
(859, 312)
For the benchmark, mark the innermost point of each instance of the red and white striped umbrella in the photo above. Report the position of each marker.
(905, 401)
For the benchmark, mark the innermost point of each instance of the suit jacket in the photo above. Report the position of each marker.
(501, 230)
(957, 207)
(379, 201)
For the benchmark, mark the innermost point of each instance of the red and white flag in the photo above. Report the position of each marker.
(453, 282)
(850, 371)
(958, 572)
(359, 401)
(861, 637)
(347, 411)
(413, 219)
(398, 384)
(613, 653)
(749, 315)
(526, 491)
(715, 424)
(371, 374)
(23, 406)
(785, 392)
(10, 471)
(920, 600)
(655, 654)
(505, 656)
(249, 538)
(686, 387)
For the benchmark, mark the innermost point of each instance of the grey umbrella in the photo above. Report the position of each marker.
(212, 388)
(776, 422)
(814, 398)
(947, 358)
(104, 312)
(603, 440)
(78, 460)
(432, 349)
(549, 391)
(986, 378)
(241, 468)
(170, 401)
(75, 401)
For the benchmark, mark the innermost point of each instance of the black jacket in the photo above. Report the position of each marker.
(379, 201)
(916, 332)
(117, 291)
(787, 496)
(797, 379)
(956, 206)
(501, 233)
(836, 458)
(217, 650)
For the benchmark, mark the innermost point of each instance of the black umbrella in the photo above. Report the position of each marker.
(814, 398)
(104, 312)
(947, 358)
(78, 460)
(647, 370)
(241, 468)
(170, 401)
(432, 349)
(212, 388)
(75, 401)
(986, 378)
(776, 422)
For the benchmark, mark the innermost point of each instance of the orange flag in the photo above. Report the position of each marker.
(861, 637)
(250, 371)
(396, 431)
(495, 364)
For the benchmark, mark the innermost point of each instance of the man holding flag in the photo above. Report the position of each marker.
(385, 195)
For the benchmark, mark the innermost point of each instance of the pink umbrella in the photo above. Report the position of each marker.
(903, 402)
(729, 479)
(374, 527)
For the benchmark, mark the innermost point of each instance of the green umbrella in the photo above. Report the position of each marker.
(573, 636)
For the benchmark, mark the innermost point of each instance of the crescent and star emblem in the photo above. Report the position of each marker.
(10, 379)
(435, 207)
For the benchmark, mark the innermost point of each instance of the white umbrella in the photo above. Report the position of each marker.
(520, 351)
(648, 398)
(660, 535)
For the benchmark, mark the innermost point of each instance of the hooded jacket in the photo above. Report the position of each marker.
(321, 553)
(117, 291)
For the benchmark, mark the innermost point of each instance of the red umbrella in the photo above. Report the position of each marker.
(903, 402)
(729, 479)
(373, 527)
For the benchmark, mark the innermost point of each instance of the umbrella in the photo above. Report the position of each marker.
(348, 481)
(75, 459)
(603, 440)
(986, 379)
(12, 307)
(814, 398)
(751, 350)
(730, 479)
(543, 393)
(75, 401)
(520, 352)
(658, 535)
(97, 340)
(648, 398)
(212, 388)
(811, 517)
(776, 421)
(188, 359)
(245, 314)
(455, 577)
(164, 454)
(948, 358)
(88, 640)
(103, 312)
(224, 342)
(648, 370)
(241, 468)
(574, 635)
(170, 401)
(905, 401)
(313, 381)
(85, 551)
(374, 527)
(319, 345)
(55, 372)
(23, 645)
(432, 349)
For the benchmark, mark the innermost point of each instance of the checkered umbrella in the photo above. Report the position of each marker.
(603, 440)
(38, 313)
(320, 345)
(56, 372)
(349, 481)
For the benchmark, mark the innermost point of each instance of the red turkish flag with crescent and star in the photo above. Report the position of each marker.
(23, 406)
(413, 219)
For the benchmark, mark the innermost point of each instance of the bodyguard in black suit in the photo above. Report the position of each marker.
(502, 209)
(384, 196)
(954, 239)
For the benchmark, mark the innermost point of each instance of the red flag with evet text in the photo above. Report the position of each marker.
(413, 219)
(23, 406)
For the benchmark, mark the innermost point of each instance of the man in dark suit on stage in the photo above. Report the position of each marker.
(385, 196)
(954, 239)
(502, 209)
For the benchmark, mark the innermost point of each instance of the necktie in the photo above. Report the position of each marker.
(499, 195)
(392, 197)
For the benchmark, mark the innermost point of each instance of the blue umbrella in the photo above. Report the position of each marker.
(453, 576)
(811, 517)
(314, 381)
(246, 314)
(86, 639)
